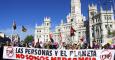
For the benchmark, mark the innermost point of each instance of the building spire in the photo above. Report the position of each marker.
(76, 10)
(76, 7)
(75, 1)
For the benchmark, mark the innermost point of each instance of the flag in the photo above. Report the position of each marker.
(24, 29)
(14, 25)
(83, 39)
(50, 35)
(72, 31)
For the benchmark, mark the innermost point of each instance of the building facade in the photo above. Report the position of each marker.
(2, 35)
(42, 32)
(74, 19)
(62, 32)
(101, 23)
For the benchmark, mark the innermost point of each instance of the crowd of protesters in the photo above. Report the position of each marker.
(79, 45)
(54, 45)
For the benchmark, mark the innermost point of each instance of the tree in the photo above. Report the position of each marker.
(28, 39)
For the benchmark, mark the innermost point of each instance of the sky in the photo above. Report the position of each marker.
(31, 12)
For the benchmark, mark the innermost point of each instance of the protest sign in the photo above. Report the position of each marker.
(24, 53)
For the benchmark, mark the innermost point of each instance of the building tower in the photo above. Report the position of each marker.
(78, 19)
(74, 20)
(76, 11)
(47, 26)
(47, 21)
(92, 12)
(42, 32)
(76, 7)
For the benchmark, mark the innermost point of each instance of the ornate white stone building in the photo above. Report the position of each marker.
(74, 19)
(42, 32)
(100, 23)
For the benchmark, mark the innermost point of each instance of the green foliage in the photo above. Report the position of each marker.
(28, 39)
(109, 33)
(113, 33)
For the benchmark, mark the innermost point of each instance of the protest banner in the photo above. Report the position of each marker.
(23, 53)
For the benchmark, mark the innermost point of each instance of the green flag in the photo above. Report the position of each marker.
(24, 29)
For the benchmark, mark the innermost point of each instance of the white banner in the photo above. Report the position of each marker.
(23, 53)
